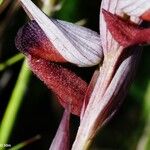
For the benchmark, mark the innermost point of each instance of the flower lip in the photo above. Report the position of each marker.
(69, 88)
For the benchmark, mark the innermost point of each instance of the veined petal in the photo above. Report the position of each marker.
(75, 44)
(134, 7)
(62, 137)
(118, 87)
(108, 42)
(85, 40)
(69, 88)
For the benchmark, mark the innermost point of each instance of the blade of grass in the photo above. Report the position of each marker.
(14, 104)
(11, 61)
(25, 143)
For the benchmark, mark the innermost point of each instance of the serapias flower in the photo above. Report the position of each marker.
(76, 44)
(69, 88)
(45, 41)
(49, 44)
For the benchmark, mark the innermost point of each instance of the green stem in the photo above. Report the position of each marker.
(14, 104)
(11, 61)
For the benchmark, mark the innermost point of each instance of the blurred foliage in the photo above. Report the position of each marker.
(40, 113)
(1, 2)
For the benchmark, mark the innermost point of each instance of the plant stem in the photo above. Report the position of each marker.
(11, 61)
(14, 104)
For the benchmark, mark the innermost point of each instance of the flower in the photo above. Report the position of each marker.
(121, 56)
(49, 43)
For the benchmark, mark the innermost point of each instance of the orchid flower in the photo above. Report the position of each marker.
(49, 44)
